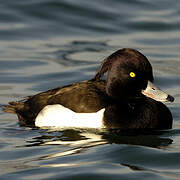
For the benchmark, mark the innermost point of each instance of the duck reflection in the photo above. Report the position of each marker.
(147, 138)
(80, 140)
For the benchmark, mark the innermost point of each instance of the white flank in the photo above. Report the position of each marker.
(60, 116)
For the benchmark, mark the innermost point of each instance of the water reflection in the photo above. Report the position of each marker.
(138, 168)
(76, 141)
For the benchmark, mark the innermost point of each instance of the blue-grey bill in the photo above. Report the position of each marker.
(157, 94)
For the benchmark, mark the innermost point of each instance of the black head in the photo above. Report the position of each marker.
(128, 73)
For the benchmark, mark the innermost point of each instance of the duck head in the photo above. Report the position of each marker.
(129, 75)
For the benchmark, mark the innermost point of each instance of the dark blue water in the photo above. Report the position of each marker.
(49, 43)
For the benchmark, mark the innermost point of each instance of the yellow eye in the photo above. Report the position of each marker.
(132, 74)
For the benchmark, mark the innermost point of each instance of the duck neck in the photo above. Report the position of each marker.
(127, 100)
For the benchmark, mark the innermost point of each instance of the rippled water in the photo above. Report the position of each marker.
(49, 43)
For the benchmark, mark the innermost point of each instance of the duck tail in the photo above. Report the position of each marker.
(13, 107)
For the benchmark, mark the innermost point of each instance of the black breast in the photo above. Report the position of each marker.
(138, 113)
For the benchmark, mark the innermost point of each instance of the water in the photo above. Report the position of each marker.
(49, 43)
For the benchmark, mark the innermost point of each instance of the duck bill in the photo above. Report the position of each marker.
(157, 94)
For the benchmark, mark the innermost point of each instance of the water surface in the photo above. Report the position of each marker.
(45, 44)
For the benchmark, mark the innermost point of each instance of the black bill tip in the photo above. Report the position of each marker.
(170, 98)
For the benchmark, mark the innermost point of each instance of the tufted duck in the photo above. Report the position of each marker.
(127, 99)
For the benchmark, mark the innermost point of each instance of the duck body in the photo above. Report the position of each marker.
(81, 97)
(140, 113)
(120, 101)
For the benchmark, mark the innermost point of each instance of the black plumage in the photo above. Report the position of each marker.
(120, 94)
